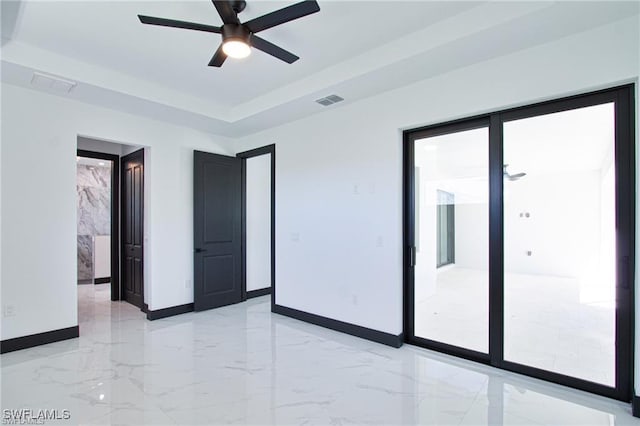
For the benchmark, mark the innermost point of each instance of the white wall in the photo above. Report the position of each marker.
(39, 213)
(258, 246)
(472, 235)
(568, 215)
(339, 173)
(102, 256)
(563, 230)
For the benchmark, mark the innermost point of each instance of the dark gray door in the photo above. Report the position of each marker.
(132, 228)
(217, 230)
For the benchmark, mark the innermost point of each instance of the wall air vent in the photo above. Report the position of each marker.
(56, 84)
(329, 100)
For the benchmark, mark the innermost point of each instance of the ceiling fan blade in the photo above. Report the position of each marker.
(178, 24)
(272, 49)
(218, 58)
(226, 12)
(281, 16)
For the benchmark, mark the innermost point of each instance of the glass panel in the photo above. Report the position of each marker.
(559, 243)
(452, 230)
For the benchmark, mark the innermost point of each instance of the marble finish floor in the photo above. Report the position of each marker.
(243, 365)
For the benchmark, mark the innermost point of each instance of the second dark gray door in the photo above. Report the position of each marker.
(217, 238)
(132, 228)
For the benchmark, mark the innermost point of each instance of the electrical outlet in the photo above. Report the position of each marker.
(379, 241)
(356, 189)
(9, 311)
(354, 299)
(187, 283)
(295, 237)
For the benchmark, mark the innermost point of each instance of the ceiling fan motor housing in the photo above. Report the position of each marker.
(238, 5)
(235, 32)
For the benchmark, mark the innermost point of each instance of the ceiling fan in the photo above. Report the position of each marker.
(509, 176)
(238, 38)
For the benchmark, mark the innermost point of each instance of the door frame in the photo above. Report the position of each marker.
(268, 149)
(625, 181)
(139, 152)
(115, 216)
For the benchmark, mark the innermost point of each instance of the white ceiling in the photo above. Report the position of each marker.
(108, 34)
(353, 48)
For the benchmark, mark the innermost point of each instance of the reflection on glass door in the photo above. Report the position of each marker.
(559, 243)
(451, 238)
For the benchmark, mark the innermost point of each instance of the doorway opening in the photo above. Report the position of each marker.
(97, 186)
(258, 221)
(102, 206)
(234, 227)
(541, 275)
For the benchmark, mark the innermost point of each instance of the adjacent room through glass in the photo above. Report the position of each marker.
(520, 236)
(452, 237)
(559, 243)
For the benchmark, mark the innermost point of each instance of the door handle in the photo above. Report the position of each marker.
(199, 250)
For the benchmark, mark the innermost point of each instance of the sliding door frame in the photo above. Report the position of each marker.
(624, 160)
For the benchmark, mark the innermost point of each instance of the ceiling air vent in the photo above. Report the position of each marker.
(329, 100)
(57, 84)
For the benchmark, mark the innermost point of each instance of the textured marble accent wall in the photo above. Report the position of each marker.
(85, 257)
(94, 212)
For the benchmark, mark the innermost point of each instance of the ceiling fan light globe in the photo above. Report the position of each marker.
(236, 49)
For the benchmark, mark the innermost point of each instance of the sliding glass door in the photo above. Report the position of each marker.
(452, 229)
(519, 233)
(559, 243)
